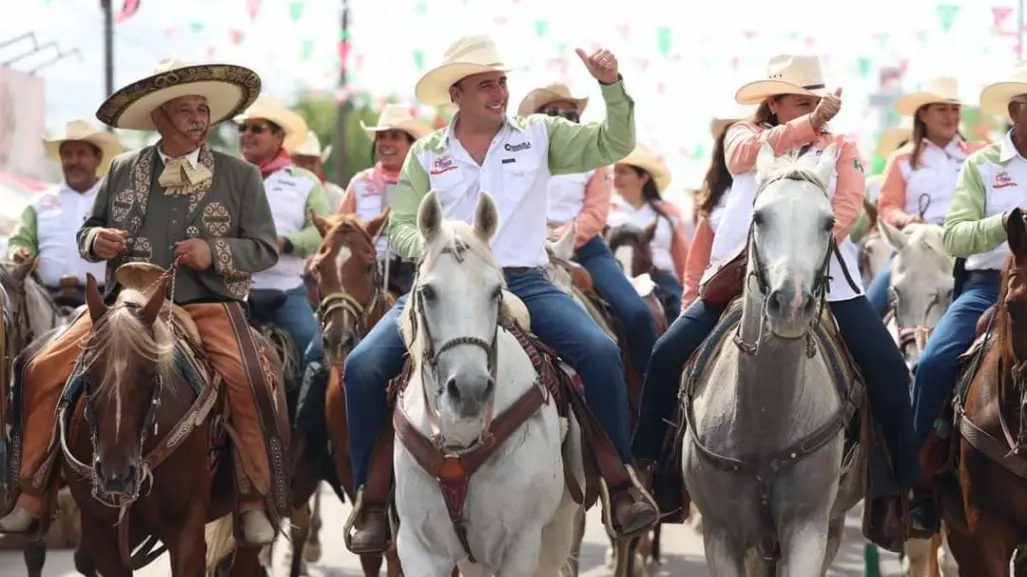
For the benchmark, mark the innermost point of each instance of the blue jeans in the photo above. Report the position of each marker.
(935, 372)
(877, 292)
(555, 318)
(631, 311)
(671, 290)
(296, 317)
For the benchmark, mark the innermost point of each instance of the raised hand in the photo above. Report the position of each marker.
(602, 65)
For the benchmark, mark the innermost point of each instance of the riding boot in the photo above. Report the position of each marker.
(923, 514)
(368, 531)
(628, 509)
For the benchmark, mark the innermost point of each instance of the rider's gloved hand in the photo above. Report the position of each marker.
(826, 109)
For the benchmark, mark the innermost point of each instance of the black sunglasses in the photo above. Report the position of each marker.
(569, 114)
(254, 128)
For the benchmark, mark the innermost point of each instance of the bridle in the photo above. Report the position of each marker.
(429, 362)
(917, 335)
(356, 314)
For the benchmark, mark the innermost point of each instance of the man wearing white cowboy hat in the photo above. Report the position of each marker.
(177, 200)
(513, 158)
(268, 130)
(48, 225)
(990, 187)
(310, 156)
(370, 192)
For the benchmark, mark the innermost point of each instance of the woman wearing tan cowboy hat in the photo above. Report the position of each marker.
(310, 156)
(794, 108)
(370, 191)
(48, 225)
(640, 179)
(920, 177)
(584, 199)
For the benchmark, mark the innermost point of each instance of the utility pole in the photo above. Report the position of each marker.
(1019, 30)
(339, 150)
(108, 49)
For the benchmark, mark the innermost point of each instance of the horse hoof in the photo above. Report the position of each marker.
(312, 553)
(608, 558)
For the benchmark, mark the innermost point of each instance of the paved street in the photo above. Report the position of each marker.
(682, 551)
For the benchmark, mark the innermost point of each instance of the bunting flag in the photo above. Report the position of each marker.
(236, 36)
(196, 27)
(663, 36)
(419, 60)
(295, 10)
(999, 15)
(540, 28)
(947, 14)
(128, 9)
(253, 8)
(306, 49)
(863, 64)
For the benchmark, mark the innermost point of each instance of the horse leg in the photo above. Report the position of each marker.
(35, 557)
(803, 549)
(917, 553)
(570, 567)
(723, 557)
(83, 562)
(655, 553)
(188, 549)
(300, 523)
(558, 537)
(371, 564)
(947, 566)
(101, 541)
(312, 553)
(835, 528)
(986, 552)
(246, 563)
(392, 566)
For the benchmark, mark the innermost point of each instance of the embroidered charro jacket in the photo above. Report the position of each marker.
(230, 212)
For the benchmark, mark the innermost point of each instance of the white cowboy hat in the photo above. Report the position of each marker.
(397, 117)
(467, 56)
(720, 122)
(82, 131)
(646, 159)
(940, 89)
(540, 97)
(995, 97)
(891, 138)
(312, 147)
(272, 110)
(228, 89)
(786, 74)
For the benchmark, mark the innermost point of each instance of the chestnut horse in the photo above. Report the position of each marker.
(137, 411)
(986, 511)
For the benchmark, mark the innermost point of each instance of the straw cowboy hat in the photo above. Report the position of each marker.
(786, 74)
(647, 160)
(312, 147)
(891, 138)
(720, 122)
(272, 110)
(940, 89)
(554, 92)
(82, 131)
(228, 89)
(465, 57)
(397, 117)
(996, 96)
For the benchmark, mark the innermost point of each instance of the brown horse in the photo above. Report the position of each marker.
(137, 411)
(985, 502)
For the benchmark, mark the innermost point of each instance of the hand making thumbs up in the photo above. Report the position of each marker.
(602, 65)
(826, 109)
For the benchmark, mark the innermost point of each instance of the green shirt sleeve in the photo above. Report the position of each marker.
(24, 236)
(306, 242)
(577, 148)
(404, 238)
(967, 230)
(861, 229)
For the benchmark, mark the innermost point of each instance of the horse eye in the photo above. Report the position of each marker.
(498, 293)
(427, 292)
(829, 225)
(757, 218)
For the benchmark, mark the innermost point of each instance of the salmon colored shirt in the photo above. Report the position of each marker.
(592, 218)
(741, 147)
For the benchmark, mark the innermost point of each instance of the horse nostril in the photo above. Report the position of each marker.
(130, 474)
(452, 390)
(490, 386)
(775, 302)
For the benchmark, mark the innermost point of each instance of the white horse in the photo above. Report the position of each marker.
(753, 410)
(517, 513)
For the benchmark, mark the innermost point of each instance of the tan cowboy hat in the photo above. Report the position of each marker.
(995, 97)
(397, 117)
(720, 122)
(467, 56)
(82, 131)
(891, 138)
(228, 89)
(554, 92)
(940, 89)
(312, 147)
(272, 110)
(646, 159)
(786, 74)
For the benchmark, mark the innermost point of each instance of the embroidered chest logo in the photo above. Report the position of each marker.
(517, 147)
(442, 165)
(49, 203)
(217, 219)
(1003, 180)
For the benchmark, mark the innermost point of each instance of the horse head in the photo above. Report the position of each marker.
(921, 282)
(791, 239)
(561, 253)
(30, 308)
(349, 287)
(128, 358)
(452, 318)
(1013, 292)
(631, 247)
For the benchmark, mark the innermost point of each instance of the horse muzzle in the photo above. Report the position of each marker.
(123, 480)
(468, 394)
(790, 311)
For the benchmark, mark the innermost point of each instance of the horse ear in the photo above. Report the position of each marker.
(826, 165)
(563, 248)
(429, 217)
(1016, 233)
(94, 300)
(764, 159)
(152, 308)
(486, 217)
(892, 235)
(322, 224)
(375, 225)
(649, 232)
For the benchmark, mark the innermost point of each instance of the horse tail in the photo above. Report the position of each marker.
(220, 539)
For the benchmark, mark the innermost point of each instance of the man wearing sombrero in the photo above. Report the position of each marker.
(991, 185)
(177, 200)
(512, 158)
(267, 131)
(48, 225)
(312, 157)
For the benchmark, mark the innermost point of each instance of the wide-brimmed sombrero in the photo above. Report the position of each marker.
(397, 117)
(82, 131)
(722, 120)
(228, 89)
(646, 159)
(995, 97)
(312, 147)
(891, 138)
(936, 90)
(467, 56)
(786, 74)
(269, 108)
(554, 92)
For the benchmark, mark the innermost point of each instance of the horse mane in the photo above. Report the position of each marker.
(121, 335)
(456, 236)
